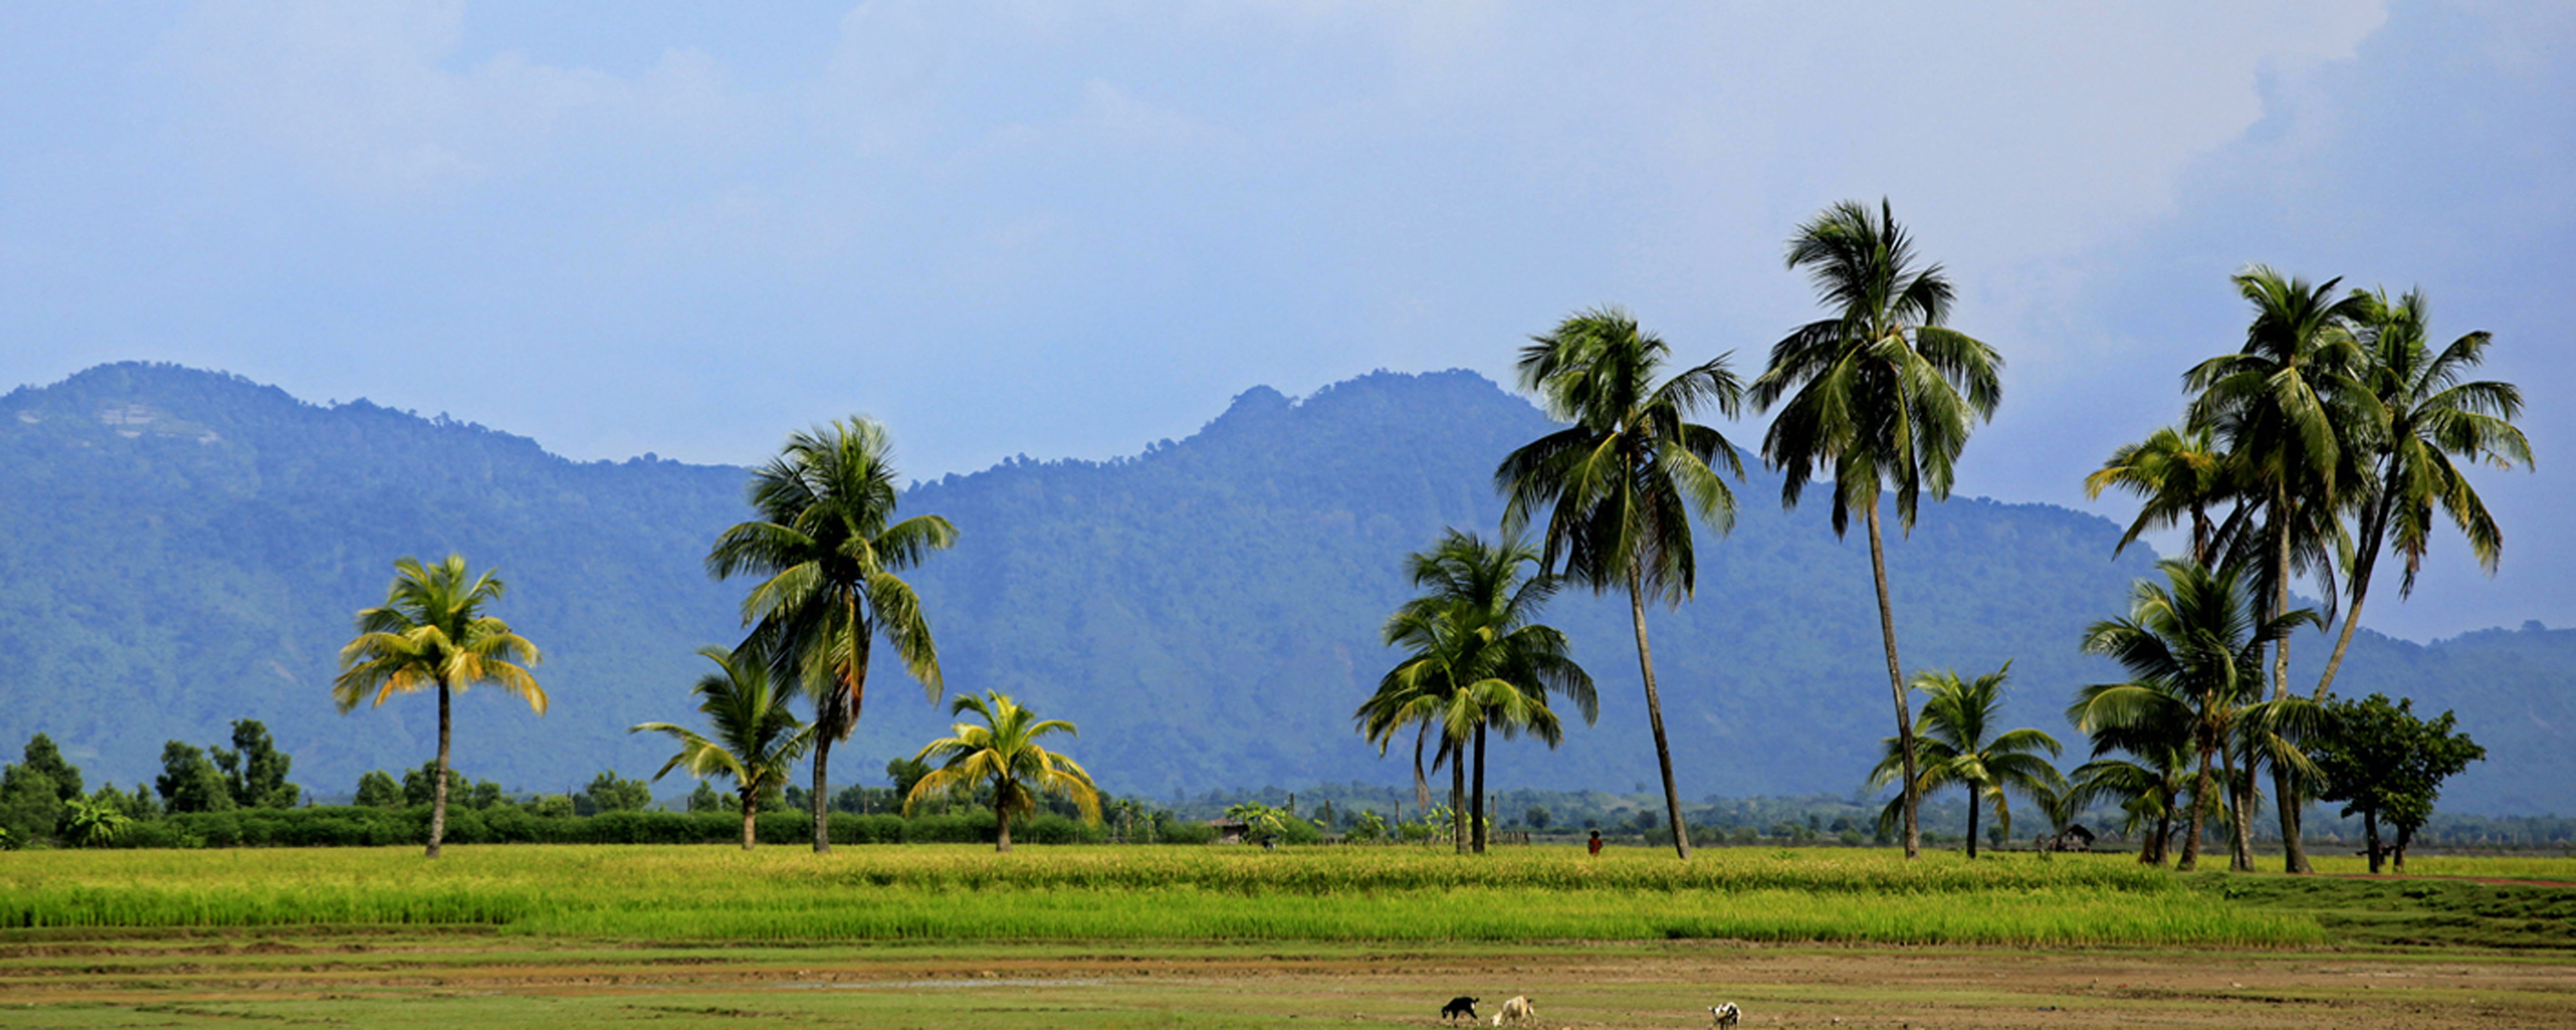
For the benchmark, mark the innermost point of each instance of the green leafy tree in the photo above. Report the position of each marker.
(1880, 393)
(432, 633)
(2193, 649)
(189, 781)
(757, 736)
(2434, 423)
(1960, 746)
(2289, 406)
(1537, 817)
(30, 808)
(255, 770)
(705, 799)
(2388, 765)
(1620, 485)
(485, 796)
(609, 792)
(42, 756)
(828, 550)
(1003, 756)
(378, 790)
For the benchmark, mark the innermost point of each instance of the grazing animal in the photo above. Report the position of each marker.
(1461, 1005)
(1726, 1014)
(1515, 1010)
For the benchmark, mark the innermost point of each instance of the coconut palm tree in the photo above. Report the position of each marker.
(432, 632)
(1475, 642)
(2193, 648)
(1880, 392)
(1959, 746)
(2291, 405)
(829, 549)
(1003, 755)
(2148, 790)
(2178, 474)
(2432, 418)
(758, 738)
(1621, 484)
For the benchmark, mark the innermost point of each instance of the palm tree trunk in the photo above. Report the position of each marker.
(1477, 820)
(750, 817)
(2285, 786)
(1001, 823)
(1896, 683)
(438, 789)
(1458, 798)
(2374, 526)
(2199, 805)
(2154, 852)
(1655, 711)
(817, 802)
(2240, 814)
(1972, 821)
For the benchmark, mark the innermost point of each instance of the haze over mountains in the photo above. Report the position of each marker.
(179, 548)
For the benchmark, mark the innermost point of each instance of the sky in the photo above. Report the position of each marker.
(1069, 230)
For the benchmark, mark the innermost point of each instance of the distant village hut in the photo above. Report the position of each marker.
(1229, 830)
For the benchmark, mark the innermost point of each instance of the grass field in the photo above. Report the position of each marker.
(559, 937)
(1094, 894)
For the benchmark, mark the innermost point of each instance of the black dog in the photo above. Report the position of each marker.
(1459, 1006)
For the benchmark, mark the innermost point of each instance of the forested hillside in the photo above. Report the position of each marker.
(181, 548)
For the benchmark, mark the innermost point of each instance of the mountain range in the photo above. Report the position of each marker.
(180, 548)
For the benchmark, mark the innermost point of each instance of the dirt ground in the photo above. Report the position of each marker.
(480, 980)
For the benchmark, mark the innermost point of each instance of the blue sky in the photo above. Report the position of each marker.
(1068, 230)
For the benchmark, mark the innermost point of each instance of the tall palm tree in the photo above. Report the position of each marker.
(2290, 405)
(757, 736)
(1621, 483)
(829, 550)
(1880, 391)
(2178, 474)
(2432, 418)
(2193, 648)
(431, 632)
(1959, 747)
(1003, 755)
(1475, 632)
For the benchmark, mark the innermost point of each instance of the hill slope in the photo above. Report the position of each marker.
(179, 548)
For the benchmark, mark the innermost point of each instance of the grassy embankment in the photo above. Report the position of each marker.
(967, 892)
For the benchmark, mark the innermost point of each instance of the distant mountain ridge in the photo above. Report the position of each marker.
(179, 548)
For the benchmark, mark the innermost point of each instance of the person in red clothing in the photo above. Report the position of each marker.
(1596, 842)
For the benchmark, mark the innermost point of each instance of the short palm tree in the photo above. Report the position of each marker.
(1959, 746)
(829, 550)
(1620, 485)
(2178, 474)
(432, 632)
(1880, 392)
(1479, 660)
(2148, 790)
(757, 740)
(2432, 418)
(1003, 755)
(2193, 648)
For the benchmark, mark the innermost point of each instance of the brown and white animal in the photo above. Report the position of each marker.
(1726, 1014)
(1515, 1010)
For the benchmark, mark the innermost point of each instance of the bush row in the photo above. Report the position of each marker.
(353, 826)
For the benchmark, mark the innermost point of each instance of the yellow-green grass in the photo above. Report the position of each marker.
(2519, 867)
(1129, 893)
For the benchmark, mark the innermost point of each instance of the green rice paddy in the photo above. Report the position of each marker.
(966, 892)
